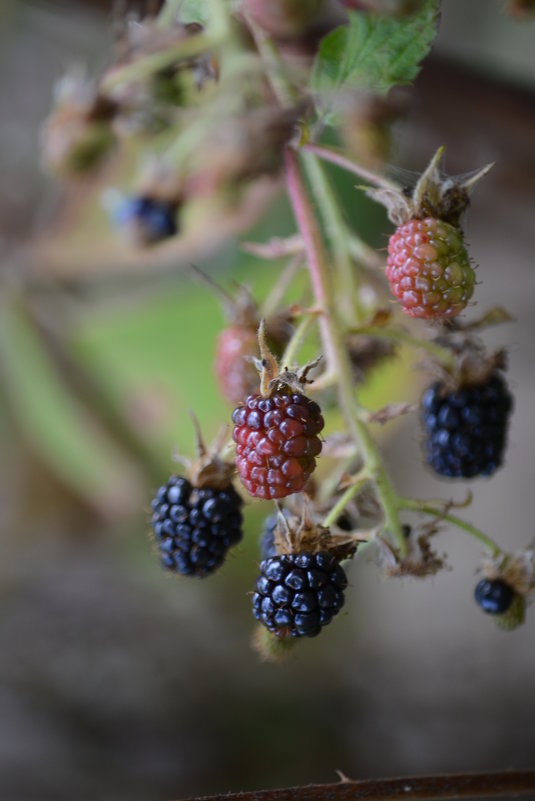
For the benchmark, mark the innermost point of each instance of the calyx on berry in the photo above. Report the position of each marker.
(436, 194)
(301, 533)
(272, 379)
(207, 469)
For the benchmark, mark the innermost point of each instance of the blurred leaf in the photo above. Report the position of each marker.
(372, 53)
(57, 425)
(193, 11)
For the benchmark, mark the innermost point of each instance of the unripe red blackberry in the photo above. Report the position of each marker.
(276, 442)
(233, 366)
(429, 270)
(299, 593)
(428, 266)
(195, 526)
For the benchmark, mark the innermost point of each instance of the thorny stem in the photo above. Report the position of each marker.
(425, 508)
(341, 160)
(433, 788)
(335, 352)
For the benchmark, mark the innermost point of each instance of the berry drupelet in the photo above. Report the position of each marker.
(465, 429)
(276, 442)
(195, 526)
(299, 593)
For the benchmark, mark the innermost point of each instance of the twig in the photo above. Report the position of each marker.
(432, 788)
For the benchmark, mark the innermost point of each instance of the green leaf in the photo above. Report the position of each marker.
(372, 53)
(193, 11)
(58, 427)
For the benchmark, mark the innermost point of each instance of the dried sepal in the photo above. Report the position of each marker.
(298, 533)
(390, 412)
(436, 195)
(208, 468)
(421, 560)
(517, 570)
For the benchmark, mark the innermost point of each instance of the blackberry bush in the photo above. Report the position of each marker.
(230, 100)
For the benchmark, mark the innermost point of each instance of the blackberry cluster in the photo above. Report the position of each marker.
(195, 527)
(465, 430)
(297, 594)
(148, 219)
(276, 443)
(494, 596)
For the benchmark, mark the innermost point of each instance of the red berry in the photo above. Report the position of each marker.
(276, 442)
(429, 270)
(235, 371)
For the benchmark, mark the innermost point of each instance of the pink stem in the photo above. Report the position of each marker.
(338, 158)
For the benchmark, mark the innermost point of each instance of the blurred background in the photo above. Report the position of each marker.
(119, 682)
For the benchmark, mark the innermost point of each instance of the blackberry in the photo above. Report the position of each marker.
(276, 442)
(194, 527)
(429, 270)
(494, 596)
(267, 537)
(146, 220)
(299, 593)
(465, 429)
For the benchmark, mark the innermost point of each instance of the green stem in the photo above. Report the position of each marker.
(295, 342)
(335, 351)
(341, 160)
(424, 508)
(344, 499)
(398, 335)
(282, 88)
(337, 233)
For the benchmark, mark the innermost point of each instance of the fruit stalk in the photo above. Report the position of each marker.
(427, 509)
(338, 158)
(335, 352)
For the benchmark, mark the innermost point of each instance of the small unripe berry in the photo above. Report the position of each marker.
(429, 270)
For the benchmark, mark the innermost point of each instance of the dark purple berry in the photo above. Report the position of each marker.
(194, 528)
(494, 596)
(465, 430)
(297, 594)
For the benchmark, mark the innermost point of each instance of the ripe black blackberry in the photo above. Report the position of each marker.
(465, 429)
(494, 596)
(299, 593)
(195, 526)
